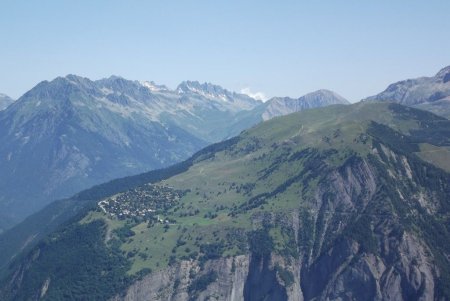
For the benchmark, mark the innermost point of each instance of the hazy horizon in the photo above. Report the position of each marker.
(260, 48)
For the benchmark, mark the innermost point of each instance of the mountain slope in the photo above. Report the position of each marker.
(280, 106)
(439, 107)
(5, 101)
(66, 135)
(429, 93)
(343, 202)
(71, 133)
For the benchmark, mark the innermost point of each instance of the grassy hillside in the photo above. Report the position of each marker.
(240, 196)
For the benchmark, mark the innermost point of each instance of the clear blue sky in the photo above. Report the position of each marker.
(280, 48)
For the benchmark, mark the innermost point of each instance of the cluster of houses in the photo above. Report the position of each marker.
(145, 202)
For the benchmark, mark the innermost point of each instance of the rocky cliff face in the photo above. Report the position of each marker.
(343, 273)
(238, 278)
(419, 90)
(176, 283)
(329, 204)
(391, 264)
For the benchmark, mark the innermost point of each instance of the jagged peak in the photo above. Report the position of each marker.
(117, 83)
(72, 79)
(197, 87)
(206, 89)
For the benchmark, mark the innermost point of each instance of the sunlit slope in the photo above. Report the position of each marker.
(287, 195)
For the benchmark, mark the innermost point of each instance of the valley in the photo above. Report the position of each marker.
(340, 189)
(224, 151)
(71, 133)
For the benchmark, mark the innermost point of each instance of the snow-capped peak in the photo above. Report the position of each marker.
(207, 90)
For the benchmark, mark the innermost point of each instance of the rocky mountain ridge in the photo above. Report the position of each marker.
(421, 92)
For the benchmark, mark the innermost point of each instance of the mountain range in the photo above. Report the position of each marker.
(427, 93)
(71, 133)
(338, 202)
(347, 202)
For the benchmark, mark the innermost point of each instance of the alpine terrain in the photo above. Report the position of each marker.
(337, 203)
(70, 133)
(279, 106)
(427, 93)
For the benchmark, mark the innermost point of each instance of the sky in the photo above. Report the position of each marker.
(267, 48)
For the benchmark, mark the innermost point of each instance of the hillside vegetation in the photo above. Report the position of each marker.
(347, 202)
